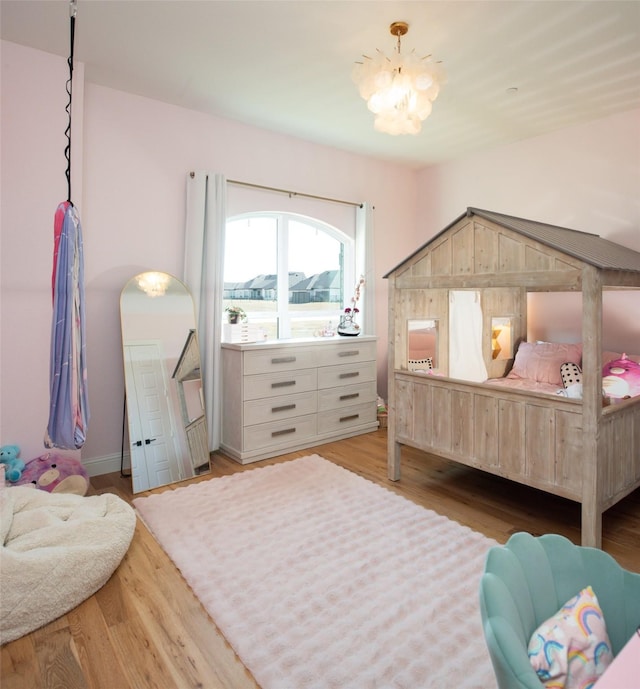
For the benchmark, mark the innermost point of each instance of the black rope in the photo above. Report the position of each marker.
(67, 133)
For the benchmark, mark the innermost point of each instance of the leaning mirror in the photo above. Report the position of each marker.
(168, 438)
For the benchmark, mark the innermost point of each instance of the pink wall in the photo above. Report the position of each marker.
(585, 178)
(137, 153)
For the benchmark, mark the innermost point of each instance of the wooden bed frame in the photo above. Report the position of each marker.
(582, 449)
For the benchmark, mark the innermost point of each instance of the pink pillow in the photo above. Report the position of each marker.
(541, 361)
(572, 648)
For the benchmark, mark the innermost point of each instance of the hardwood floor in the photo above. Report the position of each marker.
(146, 630)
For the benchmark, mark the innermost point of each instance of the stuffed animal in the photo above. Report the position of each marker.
(56, 474)
(621, 378)
(13, 465)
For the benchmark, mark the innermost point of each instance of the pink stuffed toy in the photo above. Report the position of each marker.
(55, 474)
(621, 378)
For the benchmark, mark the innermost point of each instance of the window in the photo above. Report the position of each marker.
(422, 344)
(501, 337)
(287, 272)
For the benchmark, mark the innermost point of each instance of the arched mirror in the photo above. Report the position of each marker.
(168, 437)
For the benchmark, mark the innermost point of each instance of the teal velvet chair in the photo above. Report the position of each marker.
(529, 579)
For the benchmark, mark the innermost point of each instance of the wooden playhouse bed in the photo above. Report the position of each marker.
(580, 449)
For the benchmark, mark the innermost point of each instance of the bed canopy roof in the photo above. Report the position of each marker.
(584, 246)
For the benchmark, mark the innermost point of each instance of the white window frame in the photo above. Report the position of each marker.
(282, 313)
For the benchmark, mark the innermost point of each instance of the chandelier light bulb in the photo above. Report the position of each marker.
(400, 89)
(153, 284)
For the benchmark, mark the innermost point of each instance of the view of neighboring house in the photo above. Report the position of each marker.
(322, 287)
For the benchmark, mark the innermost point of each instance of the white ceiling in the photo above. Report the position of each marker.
(286, 65)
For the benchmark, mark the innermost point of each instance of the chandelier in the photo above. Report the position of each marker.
(399, 89)
(153, 284)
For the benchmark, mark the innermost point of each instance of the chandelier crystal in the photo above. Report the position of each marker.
(153, 284)
(399, 89)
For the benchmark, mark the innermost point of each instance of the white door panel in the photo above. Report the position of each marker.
(156, 431)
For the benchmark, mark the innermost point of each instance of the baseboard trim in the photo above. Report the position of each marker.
(96, 466)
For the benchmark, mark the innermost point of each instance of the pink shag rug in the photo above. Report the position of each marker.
(321, 579)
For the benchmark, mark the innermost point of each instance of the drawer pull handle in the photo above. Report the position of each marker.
(352, 374)
(352, 396)
(283, 384)
(351, 417)
(274, 434)
(351, 352)
(284, 407)
(283, 360)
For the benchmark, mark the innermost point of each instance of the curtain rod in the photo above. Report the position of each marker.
(293, 193)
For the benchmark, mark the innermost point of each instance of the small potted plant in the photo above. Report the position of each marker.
(235, 314)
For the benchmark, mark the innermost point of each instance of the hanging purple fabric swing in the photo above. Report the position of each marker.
(69, 408)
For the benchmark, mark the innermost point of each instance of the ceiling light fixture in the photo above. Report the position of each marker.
(400, 89)
(153, 284)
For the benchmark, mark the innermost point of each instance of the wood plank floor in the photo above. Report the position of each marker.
(146, 630)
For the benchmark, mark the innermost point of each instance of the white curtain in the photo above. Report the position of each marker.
(203, 274)
(465, 336)
(365, 266)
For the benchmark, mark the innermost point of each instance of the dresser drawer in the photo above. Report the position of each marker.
(349, 352)
(346, 374)
(338, 397)
(284, 383)
(285, 359)
(265, 435)
(337, 420)
(276, 408)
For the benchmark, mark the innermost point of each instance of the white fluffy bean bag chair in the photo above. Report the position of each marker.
(57, 550)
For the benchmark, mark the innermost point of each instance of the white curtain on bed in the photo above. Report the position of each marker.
(204, 273)
(465, 336)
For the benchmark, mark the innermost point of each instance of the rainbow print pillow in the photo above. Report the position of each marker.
(571, 650)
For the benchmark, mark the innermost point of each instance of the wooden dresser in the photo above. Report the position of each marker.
(281, 396)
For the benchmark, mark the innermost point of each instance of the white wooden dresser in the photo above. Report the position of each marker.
(285, 395)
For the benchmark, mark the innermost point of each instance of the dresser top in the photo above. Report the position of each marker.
(297, 342)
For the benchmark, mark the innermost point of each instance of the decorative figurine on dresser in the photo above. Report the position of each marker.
(348, 325)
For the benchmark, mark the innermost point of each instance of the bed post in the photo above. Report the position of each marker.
(591, 468)
(393, 448)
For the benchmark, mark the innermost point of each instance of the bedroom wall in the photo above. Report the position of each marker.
(136, 155)
(586, 178)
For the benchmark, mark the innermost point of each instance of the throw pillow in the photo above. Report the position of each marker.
(421, 364)
(570, 373)
(541, 361)
(571, 650)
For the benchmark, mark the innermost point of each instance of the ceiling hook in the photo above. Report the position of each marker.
(73, 8)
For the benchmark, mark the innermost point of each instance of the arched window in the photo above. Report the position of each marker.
(289, 273)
